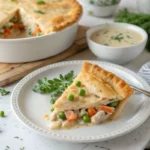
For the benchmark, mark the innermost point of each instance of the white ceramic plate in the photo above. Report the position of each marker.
(30, 107)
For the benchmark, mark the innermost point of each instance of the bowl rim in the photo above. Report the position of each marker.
(94, 5)
(143, 33)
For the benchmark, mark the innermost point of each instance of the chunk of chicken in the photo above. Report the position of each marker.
(53, 116)
(55, 125)
(67, 124)
(98, 117)
(83, 112)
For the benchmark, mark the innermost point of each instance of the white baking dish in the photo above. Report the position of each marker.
(37, 48)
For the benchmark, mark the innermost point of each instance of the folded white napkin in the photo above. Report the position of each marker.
(145, 72)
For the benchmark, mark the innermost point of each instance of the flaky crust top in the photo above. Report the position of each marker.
(118, 84)
(57, 14)
(52, 16)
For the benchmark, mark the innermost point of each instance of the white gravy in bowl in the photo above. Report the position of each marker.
(116, 37)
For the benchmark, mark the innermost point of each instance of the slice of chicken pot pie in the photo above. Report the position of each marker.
(95, 96)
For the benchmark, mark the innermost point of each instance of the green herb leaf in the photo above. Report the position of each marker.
(4, 92)
(2, 113)
(22, 148)
(39, 12)
(41, 2)
(54, 87)
(118, 37)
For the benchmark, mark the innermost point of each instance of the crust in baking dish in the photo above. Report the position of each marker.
(48, 15)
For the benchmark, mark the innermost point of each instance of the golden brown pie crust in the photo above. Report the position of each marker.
(64, 21)
(119, 85)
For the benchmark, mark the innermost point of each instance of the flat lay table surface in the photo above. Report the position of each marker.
(16, 136)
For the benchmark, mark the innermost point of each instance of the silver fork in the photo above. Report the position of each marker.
(147, 93)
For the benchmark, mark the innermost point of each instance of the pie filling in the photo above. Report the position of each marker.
(74, 118)
(17, 28)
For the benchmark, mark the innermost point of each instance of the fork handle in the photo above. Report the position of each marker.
(141, 90)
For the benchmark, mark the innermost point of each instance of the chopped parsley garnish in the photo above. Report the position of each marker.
(22, 148)
(13, 0)
(17, 137)
(118, 37)
(54, 87)
(39, 11)
(41, 2)
(4, 92)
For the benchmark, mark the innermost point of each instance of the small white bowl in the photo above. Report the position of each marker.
(100, 11)
(118, 55)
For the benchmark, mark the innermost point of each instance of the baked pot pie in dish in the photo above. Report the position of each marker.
(95, 96)
(36, 29)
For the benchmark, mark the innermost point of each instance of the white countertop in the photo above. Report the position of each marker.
(10, 127)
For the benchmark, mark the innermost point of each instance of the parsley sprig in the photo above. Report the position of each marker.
(4, 92)
(39, 11)
(54, 87)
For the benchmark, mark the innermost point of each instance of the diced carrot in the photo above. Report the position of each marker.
(91, 112)
(71, 116)
(36, 31)
(106, 109)
(16, 26)
(7, 32)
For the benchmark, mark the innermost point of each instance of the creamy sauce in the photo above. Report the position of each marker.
(116, 37)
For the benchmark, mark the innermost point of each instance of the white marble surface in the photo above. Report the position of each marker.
(10, 127)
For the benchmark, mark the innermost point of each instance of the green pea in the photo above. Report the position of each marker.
(114, 104)
(38, 34)
(86, 118)
(52, 109)
(2, 114)
(70, 97)
(62, 115)
(78, 83)
(82, 92)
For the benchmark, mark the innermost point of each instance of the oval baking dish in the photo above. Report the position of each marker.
(37, 48)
